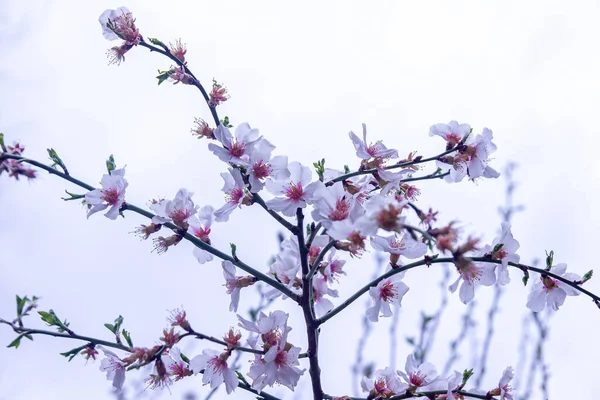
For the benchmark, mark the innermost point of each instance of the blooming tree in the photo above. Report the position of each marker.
(329, 216)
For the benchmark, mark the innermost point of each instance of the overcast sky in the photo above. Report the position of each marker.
(305, 74)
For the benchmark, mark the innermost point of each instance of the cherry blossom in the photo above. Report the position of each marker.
(111, 195)
(320, 290)
(235, 194)
(262, 166)
(216, 370)
(296, 190)
(119, 24)
(333, 203)
(179, 210)
(503, 390)
(388, 291)
(235, 283)
(453, 132)
(114, 368)
(376, 150)
(199, 226)
(503, 248)
(384, 385)
(472, 274)
(550, 291)
(421, 377)
(399, 245)
(236, 150)
(174, 364)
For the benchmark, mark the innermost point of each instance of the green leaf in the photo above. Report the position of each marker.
(127, 338)
(346, 169)
(2, 140)
(184, 358)
(158, 43)
(467, 374)
(163, 76)
(21, 304)
(47, 317)
(225, 122)
(56, 160)
(73, 352)
(233, 250)
(15, 343)
(588, 275)
(549, 259)
(497, 247)
(110, 327)
(110, 164)
(118, 323)
(73, 196)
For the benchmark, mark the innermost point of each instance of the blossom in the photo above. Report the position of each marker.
(111, 195)
(235, 194)
(217, 95)
(278, 365)
(385, 384)
(504, 248)
(119, 24)
(236, 150)
(262, 166)
(216, 370)
(114, 368)
(383, 212)
(388, 291)
(178, 50)
(375, 150)
(452, 133)
(320, 290)
(398, 245)
(295, 190)
(550, 291)
(271, 328)
(472, 274)
(202, 129)
(14, 168)
(235, 283)
(174, 364)
(421, 377)
(333, 203)
(503, 390)
(285, 269)
(199, 226)
(178, 74)
(179, 210)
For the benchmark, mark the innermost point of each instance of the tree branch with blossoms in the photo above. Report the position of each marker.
(351, 213)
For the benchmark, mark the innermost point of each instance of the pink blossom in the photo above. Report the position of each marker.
(472, 274)
(235, 283)
(263, 167)
(503, 248)
(320, 290)
(179, 210)
(421, 377)
(114, 368)
(375, 150)
(235, 194)
(452, 133)
(388, 291)
(119, 24)
(333, 203)
(504, 390)
(296, 190)
(216, 370)
(550, 291)
(236, 150)
(111, 195)
(199, 226)
(385, 384)
(400, 244)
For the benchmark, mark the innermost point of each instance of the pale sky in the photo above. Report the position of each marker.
(304, 74)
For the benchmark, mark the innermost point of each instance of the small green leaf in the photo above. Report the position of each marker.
(184, 358)
(549, 260)
(73, 352)
(588, 275)
(158, 43)
(47, 317)
(497, 247)
(73, 196)
(467, 374)
(225, 122)
(15, 343)
(346, 169)
(233, 250)
(163, 76)
(110, 327)
(2, 140)
(110, 164)
(56, 160)
(127, 338)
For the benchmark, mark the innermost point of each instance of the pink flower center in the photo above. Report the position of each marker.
(179, 215)
(261, 170)
(388, 292)
(549, 283)
(217, 365)
(295, 191)
(238, 149)
(452, 138)
(416, 378)
(202, 234)
(111, 196)
(281, 360)
(388, 218)
(470, 273)
(397, 244)
(342, 210)
(235, 195)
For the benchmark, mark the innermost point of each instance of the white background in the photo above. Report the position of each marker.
(305, 74)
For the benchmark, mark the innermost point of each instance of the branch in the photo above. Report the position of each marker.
(287, 225)
(398, 165)
(306, 302)
(429, 261)
(191, 238)
(165, 52)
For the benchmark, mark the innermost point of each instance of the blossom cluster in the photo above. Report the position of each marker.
(14, 168)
